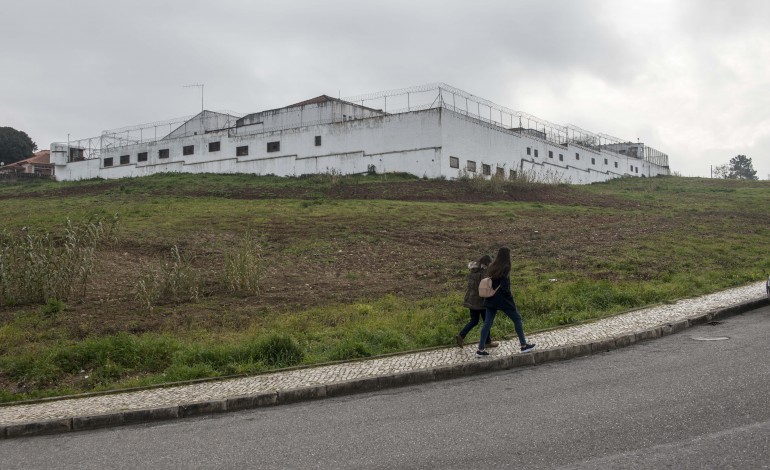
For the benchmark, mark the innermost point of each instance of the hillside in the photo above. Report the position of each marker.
(352, 266)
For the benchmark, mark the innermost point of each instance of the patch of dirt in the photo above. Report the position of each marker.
(409, 260)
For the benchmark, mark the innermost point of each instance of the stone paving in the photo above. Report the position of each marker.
(630, 322)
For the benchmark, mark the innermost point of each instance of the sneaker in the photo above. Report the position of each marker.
(527, 347)
(459, 341)
(481, 353)
(492, 344)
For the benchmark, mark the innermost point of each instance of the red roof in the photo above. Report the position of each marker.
(41, 157)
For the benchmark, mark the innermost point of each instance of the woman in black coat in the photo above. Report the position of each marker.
(500, 272)
(477, 271)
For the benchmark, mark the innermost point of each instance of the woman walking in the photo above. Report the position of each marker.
(500, 273)
(475, 304)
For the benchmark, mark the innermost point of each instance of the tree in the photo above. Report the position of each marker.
(721, 171)
(15, 145)
(741, 168)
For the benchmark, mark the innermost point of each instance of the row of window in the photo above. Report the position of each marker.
(486, 170)
(241, 151)
(577, 157)
(454, 162)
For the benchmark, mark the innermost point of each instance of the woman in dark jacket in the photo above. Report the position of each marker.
(500, 272)
(475, 304)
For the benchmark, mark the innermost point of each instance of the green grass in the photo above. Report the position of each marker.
(661, 239)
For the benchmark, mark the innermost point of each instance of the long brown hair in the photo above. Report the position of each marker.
(501, 266)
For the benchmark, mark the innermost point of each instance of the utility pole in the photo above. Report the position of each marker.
(197, 85)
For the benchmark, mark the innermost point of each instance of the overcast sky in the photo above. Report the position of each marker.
(688, 77)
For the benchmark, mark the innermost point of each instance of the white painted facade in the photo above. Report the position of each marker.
(327, 135)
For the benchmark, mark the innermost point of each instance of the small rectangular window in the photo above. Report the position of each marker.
(577, 156)
(636, 170)
(108, 162)
(125, 159)
(213, 146)
(616, 164)
(486, 169)
(188, 149)
(273, 146)
(535, 152)
(242, 151)
(163, 153)
(561, 157)
(529, 150)
(141, 157)
(318, 141)
(471, 166)
(593, 161)
(454, 162)
(550, 154)
(512, 174)
(500, 172)
(605, 161)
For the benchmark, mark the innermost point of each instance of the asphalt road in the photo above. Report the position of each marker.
(675, 402)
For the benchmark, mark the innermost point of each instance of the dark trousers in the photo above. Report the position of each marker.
(475, 315)
(515, 317)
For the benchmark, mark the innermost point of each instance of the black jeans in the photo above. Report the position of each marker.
(475, 315)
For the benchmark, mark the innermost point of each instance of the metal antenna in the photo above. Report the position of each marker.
(198, 85)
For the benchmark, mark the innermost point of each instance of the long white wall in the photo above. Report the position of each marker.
(408, 142)
(432, 143)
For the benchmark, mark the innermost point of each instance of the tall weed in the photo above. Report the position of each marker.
(176, 282)
(38, 267)
(243, 267)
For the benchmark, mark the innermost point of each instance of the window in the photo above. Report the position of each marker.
(125, 159)
(454, 162)
(344, 117)
(242, 151)
(214, 146)
(529, 150)
(535, 153)
(163, 153)
(141, 157)
(512, 174)
(318, 141)
(577, 156)
(593, 161)
(189, 149)
(76, 154)
(605, 161)
(471, 166)
(500, 172)
(273, 146)
(550, 154)
(108, 162)
(561, 157)
(636, 170)
(616, 164)
(486, 170)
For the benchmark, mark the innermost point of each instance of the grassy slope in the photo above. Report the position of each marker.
(661, 239)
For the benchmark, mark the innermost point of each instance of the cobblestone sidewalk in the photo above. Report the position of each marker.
(329, 380)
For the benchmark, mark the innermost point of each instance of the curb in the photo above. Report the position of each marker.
(369, 384)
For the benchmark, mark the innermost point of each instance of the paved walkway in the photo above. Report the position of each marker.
(344, 378)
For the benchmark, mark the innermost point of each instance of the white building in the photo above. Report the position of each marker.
(437, 131)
